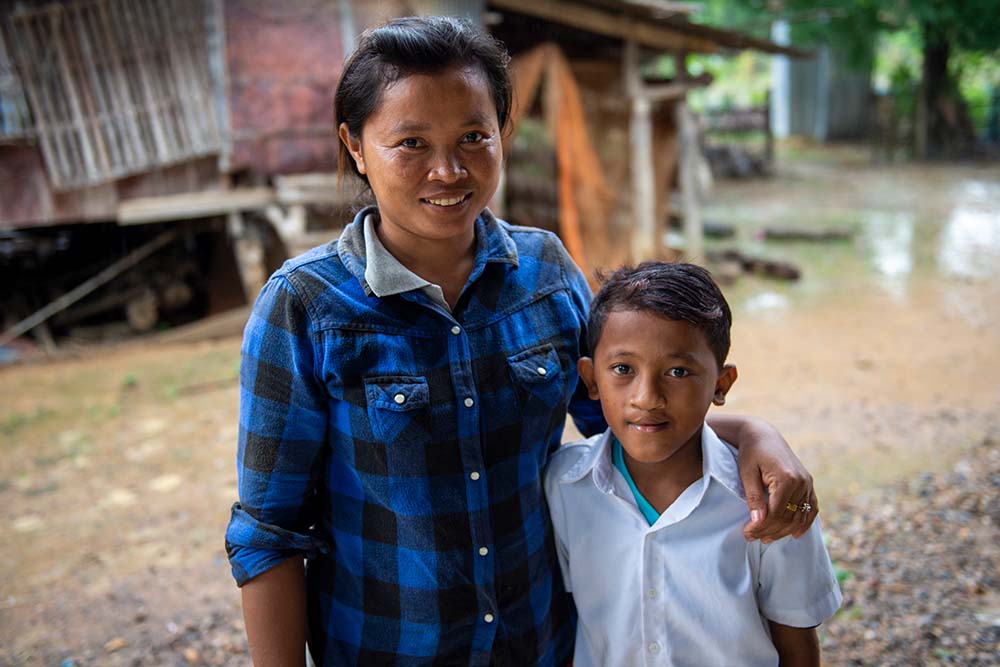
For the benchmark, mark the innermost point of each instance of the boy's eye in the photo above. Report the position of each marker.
(621, 369)
(678, 372)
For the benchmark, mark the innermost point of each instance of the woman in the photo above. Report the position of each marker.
(403, 386)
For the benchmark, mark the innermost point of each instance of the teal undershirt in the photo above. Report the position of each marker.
(618, 459)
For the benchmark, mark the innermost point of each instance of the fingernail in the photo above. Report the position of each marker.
(755, 515)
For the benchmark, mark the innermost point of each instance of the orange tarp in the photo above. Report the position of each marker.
(582, 187)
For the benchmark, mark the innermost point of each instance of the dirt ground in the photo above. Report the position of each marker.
(118, 463)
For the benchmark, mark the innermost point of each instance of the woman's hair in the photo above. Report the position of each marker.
(415, 45)
(684, 292)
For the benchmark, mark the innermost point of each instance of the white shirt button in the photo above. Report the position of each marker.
(469, 402)
(399, 398)
(483, 551)
(474, 476)
(456, 329)
(541, 370)
(651, 593)
(488, 618)
(654, 648)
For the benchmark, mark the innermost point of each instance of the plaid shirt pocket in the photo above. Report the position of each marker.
(393, 403)
(538, 375)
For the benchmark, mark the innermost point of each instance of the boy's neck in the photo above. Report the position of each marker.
(661, 483)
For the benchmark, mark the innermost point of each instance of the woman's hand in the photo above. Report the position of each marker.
(779, 489)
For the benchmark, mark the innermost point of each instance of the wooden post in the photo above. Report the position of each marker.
(693, 232)
(644, 243)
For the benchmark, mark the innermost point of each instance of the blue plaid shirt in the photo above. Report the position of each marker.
(400, 447)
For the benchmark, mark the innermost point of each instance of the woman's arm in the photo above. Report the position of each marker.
(772, 478)
(274, 610)
(797, 647)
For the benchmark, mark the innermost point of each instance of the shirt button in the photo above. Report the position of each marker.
(541, 370)
(469, 402)
(651, 593)
(654, 648)
(456, 329)
(399, 398)
(483, 551)
(488, 618)
(474, 476)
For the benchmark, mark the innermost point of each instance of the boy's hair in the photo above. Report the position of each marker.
(679, 291)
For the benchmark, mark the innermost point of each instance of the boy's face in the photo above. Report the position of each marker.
(655, 379)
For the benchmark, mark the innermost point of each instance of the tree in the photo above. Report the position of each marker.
(946, 27)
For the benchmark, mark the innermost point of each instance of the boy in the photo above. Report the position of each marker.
(648, 516)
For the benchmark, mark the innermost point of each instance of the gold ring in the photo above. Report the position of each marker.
(792, 507)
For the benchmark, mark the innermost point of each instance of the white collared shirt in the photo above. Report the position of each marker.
(688, 590)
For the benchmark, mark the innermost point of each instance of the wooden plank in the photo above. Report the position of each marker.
(161, 142)
(72, 97)
(193, 205)
(32, 66)
(132, 146)
(79, 64)
(607, 23)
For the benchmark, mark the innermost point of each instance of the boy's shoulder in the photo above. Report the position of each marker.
(568, 456)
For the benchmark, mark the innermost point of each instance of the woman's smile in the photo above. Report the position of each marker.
(432, 154)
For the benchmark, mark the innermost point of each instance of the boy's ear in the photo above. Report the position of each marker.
(727, 376)
(353, 146)
(585, 367)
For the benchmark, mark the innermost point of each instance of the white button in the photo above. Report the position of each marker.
(654, 648)
(651, 593)
(488, 618)
(474, 476)
(399, 398)
(456, 329)
(541, 370)
(469, 402)
(483, 551)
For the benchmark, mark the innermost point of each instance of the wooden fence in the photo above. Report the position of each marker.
(117, 87)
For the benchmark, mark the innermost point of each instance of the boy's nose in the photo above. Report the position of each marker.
(648, 396)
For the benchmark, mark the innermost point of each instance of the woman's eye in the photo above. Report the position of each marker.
(678, 372)
(621, 369)
(473, 137)
(410, 142)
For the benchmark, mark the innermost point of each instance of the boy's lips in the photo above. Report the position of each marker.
(648, 426)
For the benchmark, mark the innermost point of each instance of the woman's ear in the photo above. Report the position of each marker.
(585, 367)
(353, 146)
(727, 376)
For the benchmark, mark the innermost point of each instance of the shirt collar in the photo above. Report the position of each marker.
(357, 249)
(384, 273)
(718, 462)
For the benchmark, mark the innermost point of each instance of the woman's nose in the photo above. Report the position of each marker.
(447, 168)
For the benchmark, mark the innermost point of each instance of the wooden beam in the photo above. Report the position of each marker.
(610, 24)
(191, 205)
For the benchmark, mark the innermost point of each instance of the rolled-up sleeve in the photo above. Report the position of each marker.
(585, 411)
(282, 431)
(798, 586)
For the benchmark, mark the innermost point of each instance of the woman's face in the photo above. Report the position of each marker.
(432, 154)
